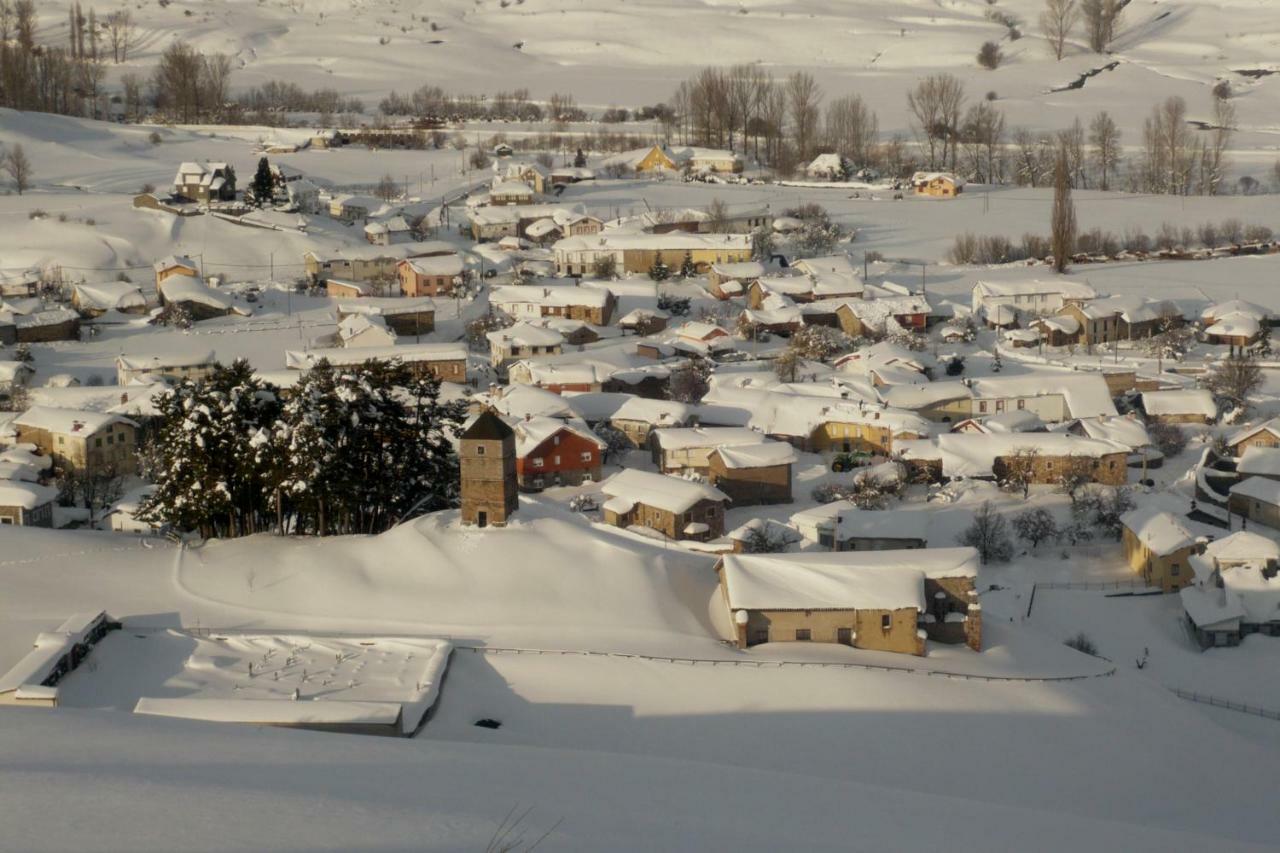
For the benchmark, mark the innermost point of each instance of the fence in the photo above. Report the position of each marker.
(1100, 585)
(1206, 699)
(871, 667)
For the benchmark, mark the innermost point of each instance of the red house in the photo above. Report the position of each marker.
(552, 452)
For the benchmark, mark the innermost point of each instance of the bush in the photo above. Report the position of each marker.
(155, 138)
(147, 188)
(1081, 643)
(990, 56)
(1169, 439)
(36, 213)
(1136, 240)
(1035, 246)
(1257, 234)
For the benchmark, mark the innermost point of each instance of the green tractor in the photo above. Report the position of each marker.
(848, 460)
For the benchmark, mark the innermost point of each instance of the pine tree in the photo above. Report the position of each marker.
(687, 267)
(659, 271)
(580, 160)
(263, 186)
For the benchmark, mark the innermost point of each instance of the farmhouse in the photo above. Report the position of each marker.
(405, 316)
(688, 450)
(1236, 590)
(145, 369)
(360, 330)
(497, 222)
(430, 276)
(174, 265)
(870, 317)
(1264, 435)
(386, 232)
(553, 452)
(661, 158)
(446, 362)
(369, 263)
(588, 303)
(1158, 547)
(995, 456)
(637, 253)
(676, 508)
(200, 301)
(841, 526)
(94, 300)
(77, 440)
(937, 184)
(26, 504)
(349, 208)
(1235, 323)
(1192, 406)
(1260, 462)
(338, 288)
(752, 473)
(639, 417)
(828, 167)
(1256, 499)
(205, 182)
(1003, 303)
(53, 324)
(892, 601)
(520, 341)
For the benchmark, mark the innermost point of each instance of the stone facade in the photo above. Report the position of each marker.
(672, 525)
(487, 456)
(1170, 572)
(750, 486)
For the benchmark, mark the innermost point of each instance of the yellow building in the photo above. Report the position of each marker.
(637, 253)
(872, 600)
(1159, 548)
(91, 442)
(174, 265)
(937, 184)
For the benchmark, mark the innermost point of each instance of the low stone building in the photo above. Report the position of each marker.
(753, 474)
(131, 369)
(1158, 547)
(77, 440)
(1256, 499)
(676, 508)
(997, 456)
(522, 341)
(1263, 435)
(54, 324)
(446, 362)
(688, 450)
(26, 504)
(1191, 406)
(842, 526)
(893, 601)
(1236, 591)
(406, 317)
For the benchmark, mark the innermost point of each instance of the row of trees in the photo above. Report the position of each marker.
(351, 450)
(433, 103)
(54, 79)
(1100, 21)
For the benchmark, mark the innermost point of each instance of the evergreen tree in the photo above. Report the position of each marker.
(687, 268)
(263, 187)
(580, 160)
(659, 271)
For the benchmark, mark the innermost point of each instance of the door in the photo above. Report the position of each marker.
(482, 519)
(844, 636)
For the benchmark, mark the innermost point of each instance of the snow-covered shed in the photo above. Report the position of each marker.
(675, 507)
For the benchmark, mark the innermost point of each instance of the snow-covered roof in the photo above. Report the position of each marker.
(696, 330)
(358, 324)
(1192, 401)
(408, 353)
(825, 163)
(673, 241)
(551, 294)
(1161, 532)
(846, 521)
(765, 455)
(187, 288)
(1086, 394)
(1260, 461)
(109, 296)
(1235, 306)
(1262, 489)
(525, 335)
(1272, 426)
(199, 358)
(11, 370)
(50, 317)
(929, 177)
(531, 433)
(387, 306)
(654, 412)
(1128, 431)
(691, 437)
(1065, 288)
(28, 496)
(438, 265)
(561, 214)
(780, 410)
(641, 315)
(528, 401)
(739, 270)
(68, 421)
(1235, 325)
(1243, 546)
(972, 455)
(672, 494)
(845, 580)
(1210, 607)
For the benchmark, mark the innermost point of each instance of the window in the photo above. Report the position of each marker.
(586, 457)
(557, 459)
(111, 439)
(803, 635)
(4, 519)
(97, 442)
(1175, 570)
(555, 440)
(1022, 404)
(479, 450)
(537, 462)
(886, 622)
(62, 439)
(982, 407)
(844, 636)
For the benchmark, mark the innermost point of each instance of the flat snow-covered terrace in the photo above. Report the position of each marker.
(365, 685)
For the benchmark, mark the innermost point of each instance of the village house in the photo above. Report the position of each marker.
(553, 452)
(588, 303)
(744, 273)
(26, 504)
(361, 331)
(521, 341)
(370, 263)
(1236, 591)
(661, 158)
(350, 208)
(1002, 304)
(1053, 396)
(337, 288)
(1235, 323)
(206, 182)
(564, 175)
(752, 474)
(862, 318)
(1256, 499)
(1260, 462)
(196, 298)
(407, 317)
(445, 361)
(508, 193)
(91, 442)
(44, 325)
(496, 222)
(637, 253)
(688, 450)
(1158, 547)
(644, 321)
(892, 601)
(833, 277)
(937, 184)
(174, 265)
(559, 377)
(431, 276)
(535, 176)
(842, 526)
(145, 369)
(1190, 406)
(1266, 434)
(674, 507)
(639, 417)
(94, 300)
(996, 456)
(388, 231)
(828, 167)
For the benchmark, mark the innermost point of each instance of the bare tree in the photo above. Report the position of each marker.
(1062, 235)
(1168, 156)
(851, 129)
(1213, 159)
(935, 105)
(983, 136)
(1101, 20)
(120, 33)
(1104, 138)
(18, 168)
(1017, 471)
(1232, 380)
(387, 188)
(989, 534)
(1057, 21)
(803, 97)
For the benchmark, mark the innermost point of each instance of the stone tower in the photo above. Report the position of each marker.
(488, 462)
